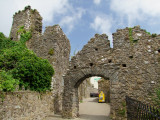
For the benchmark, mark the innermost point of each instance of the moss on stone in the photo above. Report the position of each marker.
(130, 35)
(154, 35)
(51, 51)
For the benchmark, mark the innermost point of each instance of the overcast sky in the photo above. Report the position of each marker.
(81, 19)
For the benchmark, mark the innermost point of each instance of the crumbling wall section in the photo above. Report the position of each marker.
(29, 19)
(138, 53)
(132, 67)
(52, 45)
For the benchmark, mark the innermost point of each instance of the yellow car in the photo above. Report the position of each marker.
(101, 97)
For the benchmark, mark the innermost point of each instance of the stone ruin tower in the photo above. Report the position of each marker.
(52, 45)
(30, 19)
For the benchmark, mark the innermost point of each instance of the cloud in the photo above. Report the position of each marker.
(6, 15)
(97, 2)
(136, 9)
(103, 24)
(47, 8)
(72, 19)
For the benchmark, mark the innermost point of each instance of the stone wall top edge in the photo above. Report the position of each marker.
(133, 28)
(20, 92)
(27, 8)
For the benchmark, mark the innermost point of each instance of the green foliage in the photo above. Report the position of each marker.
(5, 42)
(124, 104)
(27, 7)
(147, 32)
(2, 96)
(7, 82)
(2, 35)
(51, 51)
(122, 112)
(33, 11)
(130, 35)
(21, 30)
(157, 98)
(23, 65)
(81, 101)
(34, 73)
(25, 37)
(154, 35)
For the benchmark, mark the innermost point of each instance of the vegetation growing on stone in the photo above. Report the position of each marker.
(130, 35)
(33, 11)
(154, 35)
(51, 51)
(147, 32)
(20, 66)
(156, 99)
(122, 111)
(21, 30)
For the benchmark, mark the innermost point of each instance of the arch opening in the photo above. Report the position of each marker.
(75, 78)
(88, 96)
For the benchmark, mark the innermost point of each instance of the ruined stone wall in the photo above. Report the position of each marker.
(139, 59)
(52, 45)
(25, 105)
(132, 67)
(29, 18)
(104, 85)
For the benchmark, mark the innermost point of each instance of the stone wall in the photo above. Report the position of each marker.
(29, 18)
(25, 105)
(52, 45)
(132, 67)
(104, 85)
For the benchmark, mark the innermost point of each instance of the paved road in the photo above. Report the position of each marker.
(90, 109)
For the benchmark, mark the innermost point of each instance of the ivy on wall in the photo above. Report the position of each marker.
(21, 67)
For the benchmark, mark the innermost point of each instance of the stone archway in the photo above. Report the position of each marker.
(74, 78)
(131, 66)
(95, 59)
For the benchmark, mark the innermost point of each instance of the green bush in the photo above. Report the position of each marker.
(5, 42)
(31, 71)
(34, 73)
(7, 82)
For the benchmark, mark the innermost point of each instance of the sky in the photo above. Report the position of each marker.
(80, 20)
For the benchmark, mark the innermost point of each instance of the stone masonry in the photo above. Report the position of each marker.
(52, 45)
(104, 85)
(132, 67)
(25, 105)
(29, 18)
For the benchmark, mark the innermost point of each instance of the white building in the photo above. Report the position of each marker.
(94, 81)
